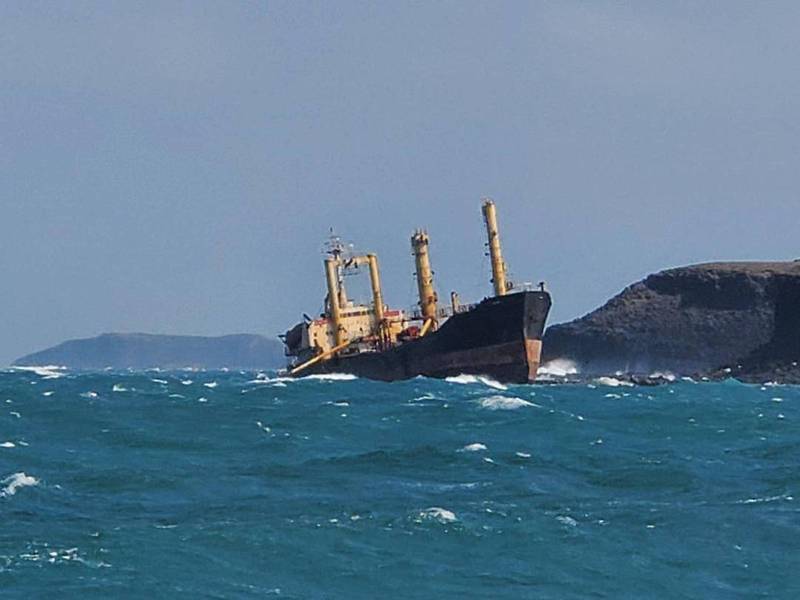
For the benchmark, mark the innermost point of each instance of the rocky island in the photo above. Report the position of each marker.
(739, 319)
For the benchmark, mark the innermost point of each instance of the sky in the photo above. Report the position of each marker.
(175, 167)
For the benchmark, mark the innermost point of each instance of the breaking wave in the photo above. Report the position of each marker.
(16, 481)
(504, 403)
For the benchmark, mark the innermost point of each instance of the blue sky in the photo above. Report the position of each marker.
(175, 166)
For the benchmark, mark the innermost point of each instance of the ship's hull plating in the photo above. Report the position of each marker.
(499, 338)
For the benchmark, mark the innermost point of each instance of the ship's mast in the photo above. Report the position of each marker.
(334, 308)
(375, 281)
(427, 295)
(496, 254)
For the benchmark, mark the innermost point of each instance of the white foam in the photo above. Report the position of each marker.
(274, 381)
(44, 371)
(8, 445)
(612, 382)
(436, 513)
(16, 481)
(332, 376)
(89, 395)
(523, 454)
(162, 381)
(211, 385)
(760, 500)
(560, 367)
(119, 388)
(504, 403)
(46, 394)
(476, 447)
(492, 383)
(466, 379)
(663, 375)
(187, 382)
(567, 520)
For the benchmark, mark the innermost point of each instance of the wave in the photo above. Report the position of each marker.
(331, 376)
(612, 382)
(16, 481)
(467, 379)
(504, 403)
(560, 367)
(476, 447)
(436, 513)
(43, 371)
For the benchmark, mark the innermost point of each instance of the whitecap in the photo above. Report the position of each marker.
(560, 367)
(492, 383)
(274, 381)
(49, 393)
(332, 376)
(522, 454)
(436, 513)
(476, 447)
(612, 382)
(119, 388)
(467, 379)
(666, 375)
(44, 371)
(161, 381)
(187, 382)
(567, 520)
(16, 481)
(89, 395)
(504, 403)
(8, 445)
(761, 500)
(211, 385)
(462, 379)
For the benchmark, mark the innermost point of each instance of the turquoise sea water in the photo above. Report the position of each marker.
(238, 485)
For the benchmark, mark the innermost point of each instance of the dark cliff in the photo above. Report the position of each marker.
(691, 319)
(141, 351)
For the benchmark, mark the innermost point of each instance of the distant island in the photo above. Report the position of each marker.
(144, 350)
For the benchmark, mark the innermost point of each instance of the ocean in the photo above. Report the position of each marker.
(241, 485)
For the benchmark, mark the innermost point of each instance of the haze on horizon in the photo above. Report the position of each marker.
(174, 167)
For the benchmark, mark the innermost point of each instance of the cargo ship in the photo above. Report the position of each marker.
(499, 337)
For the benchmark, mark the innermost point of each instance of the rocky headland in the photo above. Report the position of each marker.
(737, 319)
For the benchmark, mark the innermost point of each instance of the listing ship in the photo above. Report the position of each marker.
(498, 337)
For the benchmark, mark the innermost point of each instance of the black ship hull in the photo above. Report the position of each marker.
(499, 338)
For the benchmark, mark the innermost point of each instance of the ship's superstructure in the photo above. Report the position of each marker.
(499, 337)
